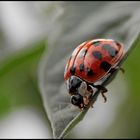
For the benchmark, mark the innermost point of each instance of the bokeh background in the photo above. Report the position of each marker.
(43, 34)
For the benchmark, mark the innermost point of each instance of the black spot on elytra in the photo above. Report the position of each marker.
(81, 67)
(112, 51)
(72, 70)
(96, 43)
(90, 72)
(83, 53)
(105, 66)
(97, 55)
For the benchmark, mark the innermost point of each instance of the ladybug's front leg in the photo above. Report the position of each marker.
(103, 90)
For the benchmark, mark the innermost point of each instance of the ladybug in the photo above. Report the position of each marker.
(90, 62)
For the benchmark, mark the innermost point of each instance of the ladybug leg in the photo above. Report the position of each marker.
(122, 70)
(86, 100)
(116, 68)
(91, 90)
(103, 90)
(81, 107)
(103, 95)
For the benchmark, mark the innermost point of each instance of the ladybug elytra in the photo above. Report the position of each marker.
(90, 62)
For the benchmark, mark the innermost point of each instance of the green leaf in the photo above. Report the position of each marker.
(115, 20)
(18, 79)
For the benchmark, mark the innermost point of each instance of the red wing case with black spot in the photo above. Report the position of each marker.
(93, 59)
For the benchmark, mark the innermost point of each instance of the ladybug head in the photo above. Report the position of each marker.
(73, 85)
(77, 88)
(77, 100)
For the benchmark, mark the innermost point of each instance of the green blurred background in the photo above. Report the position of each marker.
(24, 33)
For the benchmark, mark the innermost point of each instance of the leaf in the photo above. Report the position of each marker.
(79, 22)
(18, 81)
